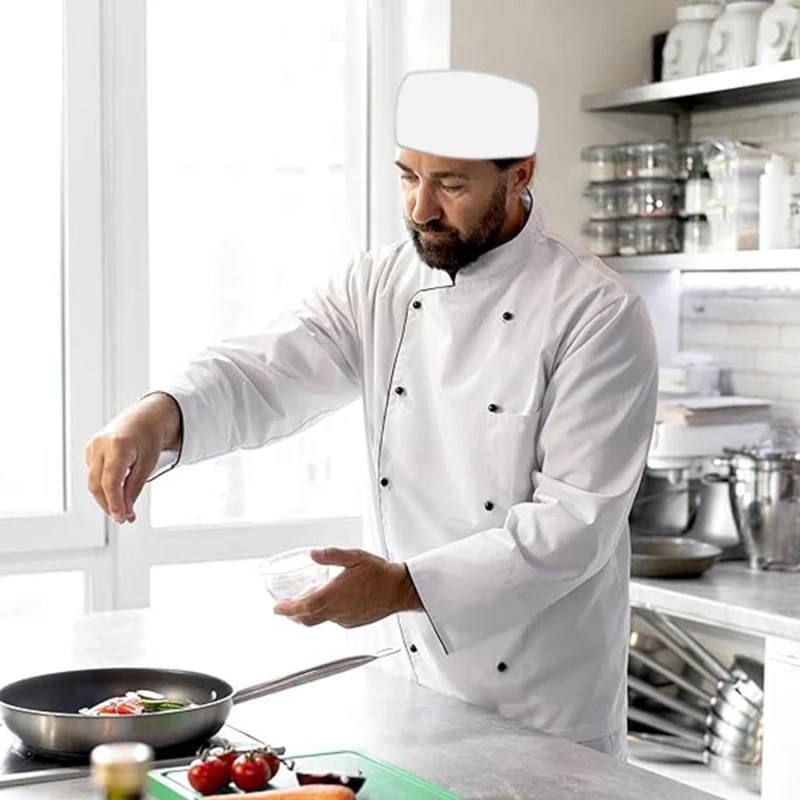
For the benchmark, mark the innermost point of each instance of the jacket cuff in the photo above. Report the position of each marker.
(168, 459)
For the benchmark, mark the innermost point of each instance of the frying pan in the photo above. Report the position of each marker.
(747, 776)
(42, 711)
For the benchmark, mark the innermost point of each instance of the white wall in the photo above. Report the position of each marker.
(751, 321)
(565, 49)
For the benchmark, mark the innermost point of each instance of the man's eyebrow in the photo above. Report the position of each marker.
(439, 175)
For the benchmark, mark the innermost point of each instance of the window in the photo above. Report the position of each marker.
(31, 408)
(49, 592)
(51, 296)
(252, 186)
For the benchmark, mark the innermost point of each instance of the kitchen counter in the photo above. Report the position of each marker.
(474, 753)
(729, 595)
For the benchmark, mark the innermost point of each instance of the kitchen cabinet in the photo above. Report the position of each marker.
(762, 604)
(781, 768)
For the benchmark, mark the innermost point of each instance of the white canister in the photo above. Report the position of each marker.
(685, 46)
(776, 32)
(733, 36)
(774, 205)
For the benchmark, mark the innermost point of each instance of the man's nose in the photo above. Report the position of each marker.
(425, 207)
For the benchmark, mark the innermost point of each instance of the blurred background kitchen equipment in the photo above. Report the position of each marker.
(685, 47)
(675, 497)
(702, 711)
(764, 491)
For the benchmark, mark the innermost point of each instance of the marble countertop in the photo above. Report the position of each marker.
(475, 754)
(729, 595)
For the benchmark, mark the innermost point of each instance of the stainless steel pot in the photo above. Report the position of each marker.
(764, 490)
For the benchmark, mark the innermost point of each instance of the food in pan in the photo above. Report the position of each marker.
(141, 701)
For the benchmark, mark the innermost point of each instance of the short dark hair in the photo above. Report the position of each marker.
(505, 163)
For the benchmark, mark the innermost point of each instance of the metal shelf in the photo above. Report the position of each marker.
(736, 261)
(738, 87)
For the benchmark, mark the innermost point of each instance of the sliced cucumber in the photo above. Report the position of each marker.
(146, 694)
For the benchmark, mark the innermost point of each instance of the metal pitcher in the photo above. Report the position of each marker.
(764, 489)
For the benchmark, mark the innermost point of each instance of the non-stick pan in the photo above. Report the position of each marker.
(42, 711)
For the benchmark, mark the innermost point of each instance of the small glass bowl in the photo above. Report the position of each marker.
(292, 574)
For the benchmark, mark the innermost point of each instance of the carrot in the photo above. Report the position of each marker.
(319, 792)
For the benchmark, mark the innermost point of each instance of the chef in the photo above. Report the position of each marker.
(509, 391)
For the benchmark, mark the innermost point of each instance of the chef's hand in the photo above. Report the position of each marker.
(124, 454)
(370, 588)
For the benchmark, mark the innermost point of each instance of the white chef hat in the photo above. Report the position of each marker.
(461, 114)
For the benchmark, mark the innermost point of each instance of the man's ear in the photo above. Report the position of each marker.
(522, 174)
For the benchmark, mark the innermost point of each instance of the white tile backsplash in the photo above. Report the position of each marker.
(790, 338)
(751, 326)
(753, 335)
(746, 331)
(760, 129)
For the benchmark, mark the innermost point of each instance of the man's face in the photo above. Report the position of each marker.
(454, 208)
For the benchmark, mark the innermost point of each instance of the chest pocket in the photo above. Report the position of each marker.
(510, 456)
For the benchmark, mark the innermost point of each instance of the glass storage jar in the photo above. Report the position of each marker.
(655, 198)
(626, 236)
(696, 234)
(657, 235)
(599, 163)
(628, 199)
(654, 160)
(602, 200)
(638, 237)
(601, 237)
(691, 161)
(625, 161)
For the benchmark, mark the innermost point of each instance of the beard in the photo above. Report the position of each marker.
(450, 250)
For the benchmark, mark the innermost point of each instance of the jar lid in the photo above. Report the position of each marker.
(597, 152)
(647, 147)
(654, 183)
(600, 187)
(655, 222)
(698, 12)
(122, 766)
(600, 226)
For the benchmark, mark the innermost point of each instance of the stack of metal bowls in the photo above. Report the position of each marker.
(697, 708)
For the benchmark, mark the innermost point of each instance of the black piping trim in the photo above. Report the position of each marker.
(180, 433)
(378, 462)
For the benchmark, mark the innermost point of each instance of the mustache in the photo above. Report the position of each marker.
(430, 227)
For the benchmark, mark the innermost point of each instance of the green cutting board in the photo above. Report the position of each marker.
(384, 781)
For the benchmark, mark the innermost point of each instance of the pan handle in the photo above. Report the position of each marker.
(670, 675)
(309, 675)
(661, 724)
(719, 670)
(643, 687)
(670, 744)
(655, 627)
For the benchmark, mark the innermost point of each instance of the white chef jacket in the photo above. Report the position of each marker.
(508, 415)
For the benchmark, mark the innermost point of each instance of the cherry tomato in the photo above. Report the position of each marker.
(208, 775)
(120, 705)
(272, 760)
(227, 755)
(251, 772)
